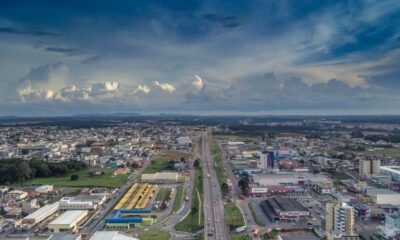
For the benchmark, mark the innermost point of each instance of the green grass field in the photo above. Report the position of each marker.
(232, 216)
(340, 176)
(163, 194)
(388, 152)
(160, 162)
(178, 199)
(155, 235)
(191, 222)
(241, 236)
(85, 180)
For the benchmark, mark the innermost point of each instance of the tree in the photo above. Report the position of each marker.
(194, 210)
(196, 163)
(183, 160)
(134, 165)
(74, 177)
(224, 188)
(244, 183)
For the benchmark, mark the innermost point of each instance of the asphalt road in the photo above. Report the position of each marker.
(235, 193)
(213, 205)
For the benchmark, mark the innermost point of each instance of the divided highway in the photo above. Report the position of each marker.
(213, 204)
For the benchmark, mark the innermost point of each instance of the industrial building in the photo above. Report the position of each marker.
(41, 214)
(339, 223)
(284, 209)
(68, 221)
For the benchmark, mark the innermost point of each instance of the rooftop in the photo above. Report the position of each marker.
(68, 217)
(42, 211)
(285, 204)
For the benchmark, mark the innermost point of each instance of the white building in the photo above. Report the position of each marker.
(393, 171)
(68, 221)
(162, 177)
(70, 203)
(41, 214)
(44, 189)
(369, 167)
(111, 235)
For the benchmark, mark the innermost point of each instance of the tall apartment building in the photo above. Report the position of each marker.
(369, 167)
(267, 160)
(340, 222)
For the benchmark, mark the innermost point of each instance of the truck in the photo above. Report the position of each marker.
(256, 231)
(186, 199)
(240, 229)
(208, 175)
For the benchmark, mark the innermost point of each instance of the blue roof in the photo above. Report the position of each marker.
(116, 217)
(135, 211)
(124, 220)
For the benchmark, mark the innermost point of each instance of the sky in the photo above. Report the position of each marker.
(200, 57)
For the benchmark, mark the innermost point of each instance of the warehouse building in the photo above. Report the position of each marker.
(70, 203)
(41, 214)
(162, 177)
(284, 209)
(68, 221)
(384, 196)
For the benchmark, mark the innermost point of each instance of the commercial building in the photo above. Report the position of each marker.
(323, 188)
(369, 167)
(340, 222)
(383, 196)
(162, 177)
(68, 221)
(284, 209)
(391, 227)
(70, 203)
(289, 179)
(41, 214)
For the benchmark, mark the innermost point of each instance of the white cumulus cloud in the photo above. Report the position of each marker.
(198, 82)
(165, 86)
(142, 88)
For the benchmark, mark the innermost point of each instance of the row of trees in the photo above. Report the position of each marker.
(18, 170)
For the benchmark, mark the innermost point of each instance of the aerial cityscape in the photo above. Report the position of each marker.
(200, 119)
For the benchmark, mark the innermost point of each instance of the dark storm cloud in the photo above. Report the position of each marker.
(317, 54)
(66, 51)
(27, 31)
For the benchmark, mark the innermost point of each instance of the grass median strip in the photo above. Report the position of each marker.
(233, 216)
(195, 220)
(178, 199)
